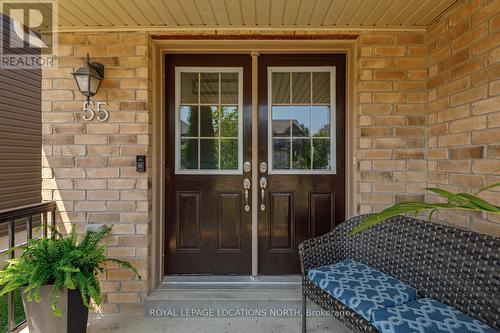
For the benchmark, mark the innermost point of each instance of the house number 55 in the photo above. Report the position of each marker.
(89, 113)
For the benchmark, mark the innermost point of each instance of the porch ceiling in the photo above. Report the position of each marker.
(248, 14)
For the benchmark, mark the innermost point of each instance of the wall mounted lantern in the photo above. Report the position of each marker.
(89, 78)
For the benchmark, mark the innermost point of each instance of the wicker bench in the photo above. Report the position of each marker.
(454, 266)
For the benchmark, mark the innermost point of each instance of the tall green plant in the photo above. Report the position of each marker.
(460, 201)
(62, 261)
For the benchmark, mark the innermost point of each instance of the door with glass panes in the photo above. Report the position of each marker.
(301, 154)
(208, 136)
(209, 148)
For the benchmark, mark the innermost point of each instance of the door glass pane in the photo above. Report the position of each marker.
(229, 88)
(281, 153)
(229, 121)
(301, 132)
(320, 119)
(189, 87)
(301, 153)
(229, 154)
(189, 153)
(189, 120)
(281, 120)
(281, 88)
(209, 154)
(321, 87)
(301, 120)
(209, 121)
(301, 88)
(209, 84)
(321, 154)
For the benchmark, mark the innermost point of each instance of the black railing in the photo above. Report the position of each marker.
(9, 218)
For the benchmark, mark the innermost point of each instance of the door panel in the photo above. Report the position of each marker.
(208, 136)
(301, 138)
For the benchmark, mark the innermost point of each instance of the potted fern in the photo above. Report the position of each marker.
(454, 201)
(58, 279)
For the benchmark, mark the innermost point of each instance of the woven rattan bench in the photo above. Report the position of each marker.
(457, 267)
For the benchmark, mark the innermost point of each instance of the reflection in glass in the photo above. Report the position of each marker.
(321, 87)
(209, 121)
(189, 87)
(281, 153)
(209, 154)
(209, 88)
(189, 154)
(301, 87)
(320, 118)
(281, 88)
(189, 120)
(229, 88)
(301, 153)
(281, 120)
(229, 122)
(301, 120)
(229, 154)
(321, 154)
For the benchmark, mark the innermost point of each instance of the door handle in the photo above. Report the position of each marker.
(246, 186)
(263, 185)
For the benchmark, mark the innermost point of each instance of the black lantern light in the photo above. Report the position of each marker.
(89, 78)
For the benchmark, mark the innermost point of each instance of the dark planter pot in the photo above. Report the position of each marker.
(42, 320)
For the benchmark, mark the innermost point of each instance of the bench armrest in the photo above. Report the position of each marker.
(328, 248)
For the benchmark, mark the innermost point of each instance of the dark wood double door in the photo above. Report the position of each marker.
(208, 140)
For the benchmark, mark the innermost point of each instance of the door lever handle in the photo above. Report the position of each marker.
(246, 187)
(263, 185)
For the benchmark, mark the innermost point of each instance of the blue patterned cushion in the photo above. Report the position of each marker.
(360, 287)
(426, 315)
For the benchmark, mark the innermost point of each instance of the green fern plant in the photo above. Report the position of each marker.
(460, 201)
(61, 260)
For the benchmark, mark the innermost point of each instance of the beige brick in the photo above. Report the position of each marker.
(90, 184)
(486, 12)
(412, 62)
(486, 136)
(134, 195)
(121, 184)
(487, 43)
(388, 143)
(376, 63)
(389, 97)
(91, 162)
(122, 251)
(390, 120)
(377, 39)
(93, 139)
(389, 75)
(494, 151)
(121, 206)
(103, 39)
(468, 124)
(376, 131)
(454, 166)
(102, 128)
(454, 113)
(389, 187)
(103, 195)
(123, 297)
(376, 198)
(469, 95)
(120, 50)
(119, 275)
(404, 39)
(485, 106)
(90, 206)
(468, 67)
(69, 173)
(391, 165)
(133, 128)
(452, 87)
(486, 166)
(465, 153)
(494, 120)
(454, 139)
(390, 51)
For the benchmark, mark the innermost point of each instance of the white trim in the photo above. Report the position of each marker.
(178, 71)
(333, 120)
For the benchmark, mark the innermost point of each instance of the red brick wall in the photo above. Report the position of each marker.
(464, 106)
